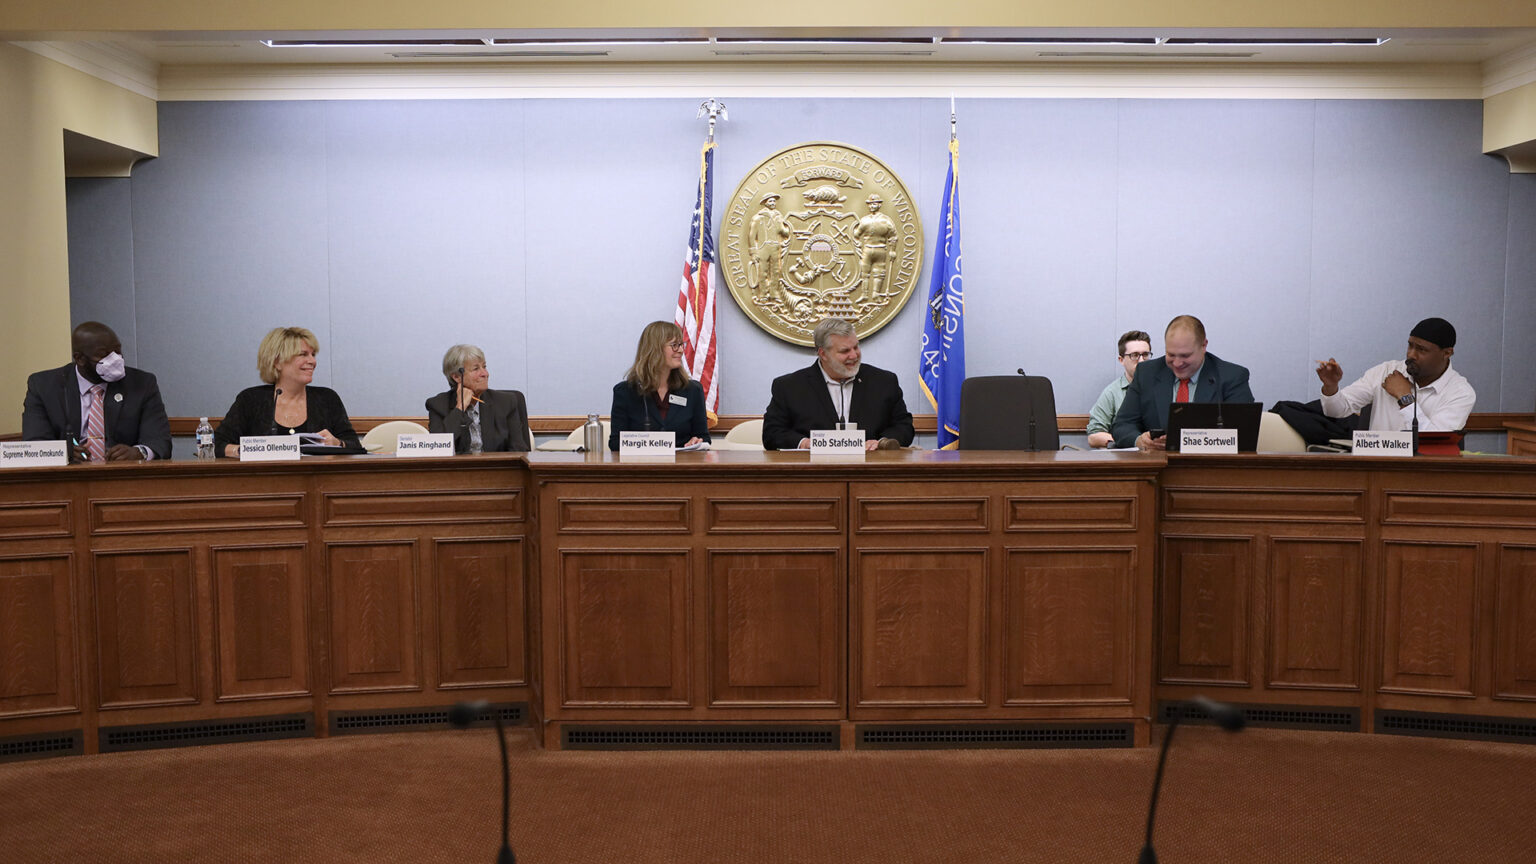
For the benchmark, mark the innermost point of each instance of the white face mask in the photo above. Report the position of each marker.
(111, 367)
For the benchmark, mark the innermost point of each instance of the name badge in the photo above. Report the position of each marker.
(415, 446)
(33, 454)
(676, 399)
(1208, 441)
(648, 445)
(269, 448)
(1368, 443)
(837, 442)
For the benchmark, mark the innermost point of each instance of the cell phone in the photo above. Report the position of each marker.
(1157, 433)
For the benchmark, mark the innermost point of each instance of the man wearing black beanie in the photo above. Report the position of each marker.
(1442, 398)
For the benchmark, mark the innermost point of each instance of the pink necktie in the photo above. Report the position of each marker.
(1183, 394)
(95, 444)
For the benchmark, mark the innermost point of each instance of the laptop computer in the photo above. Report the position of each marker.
(1242, 416)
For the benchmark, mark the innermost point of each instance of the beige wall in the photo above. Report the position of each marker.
(1509, 127)
(41, 16)
(39, 99)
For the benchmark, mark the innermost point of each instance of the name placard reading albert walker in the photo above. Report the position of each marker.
(417, 445)
(837, 442)
(269, 448)
(647, 445)
(33, 454)
(1208, 441)
(1368, 443)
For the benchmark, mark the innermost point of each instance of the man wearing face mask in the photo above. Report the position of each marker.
(106, 410)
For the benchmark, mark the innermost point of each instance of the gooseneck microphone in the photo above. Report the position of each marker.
(1415, 386)
(461, 715)
(1228, 717)
(458, 399)
(276, 392)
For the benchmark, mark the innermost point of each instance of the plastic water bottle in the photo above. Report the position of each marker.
(592, 435)
(204, 439)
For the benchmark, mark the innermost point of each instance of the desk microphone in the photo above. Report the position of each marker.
(276, 392)
(458, 397)
(1415, 385)
(461, 715)
(1228, 717)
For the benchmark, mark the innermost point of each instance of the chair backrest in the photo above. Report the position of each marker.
(385, 437)
(1008, 412)
(1277, 436)
(750, 432)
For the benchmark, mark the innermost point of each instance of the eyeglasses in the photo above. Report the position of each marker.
(677, 346)
(1139, 355)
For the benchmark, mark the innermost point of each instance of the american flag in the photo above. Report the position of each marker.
(696, 296)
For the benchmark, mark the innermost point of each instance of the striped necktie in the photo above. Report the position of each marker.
(95, 443)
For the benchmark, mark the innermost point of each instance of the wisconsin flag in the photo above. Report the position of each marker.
(942, 363)
(696, 297)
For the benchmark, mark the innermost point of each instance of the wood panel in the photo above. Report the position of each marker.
(38, 673)
(920, 631)
(1429, 626)
(1262, 502)
(482, 634)
(774, 515)
(624, 515)
(35, 520)
(375, 641)
(1070, 628)
(1078, 513)
(1314, 614)
(261, 621)
(1204, 610)
(624, 627)
(1515, 617)
(921, 514)
(146, 641)
(197, 513)
(422, 507)
(776, 628)
(1449, 509)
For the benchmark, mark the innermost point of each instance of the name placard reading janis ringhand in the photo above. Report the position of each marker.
(417, 445)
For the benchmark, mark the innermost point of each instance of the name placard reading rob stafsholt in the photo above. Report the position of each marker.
(837, 442)
(33, 454)
(1368, 443)
(647, 445)
(269, 448)
(414, 446)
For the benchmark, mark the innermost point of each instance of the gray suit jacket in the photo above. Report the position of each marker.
(503, 421)
(1151, 392)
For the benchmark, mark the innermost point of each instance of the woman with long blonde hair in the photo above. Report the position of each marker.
(656, 394)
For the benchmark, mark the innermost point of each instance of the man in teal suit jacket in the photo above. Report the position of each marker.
(1185, 365)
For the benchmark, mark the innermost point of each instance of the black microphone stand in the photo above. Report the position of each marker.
(1415, 386)
(461, 715)
(1226, 716)
(458, 399)
(1030, 444)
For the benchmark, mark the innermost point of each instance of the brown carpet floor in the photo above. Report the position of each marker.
(1262, 795)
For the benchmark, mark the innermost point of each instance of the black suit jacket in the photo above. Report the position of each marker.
(132, 411)
(251, 414)
(631, 410)
(801, 402)
(1151, 392)
(503, 421)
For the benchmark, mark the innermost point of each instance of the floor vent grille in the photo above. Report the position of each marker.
(1034, 735)
(412, 719)
(42, 745)
(699, 738)
(117, 739)
(1508, 729)
(1322, 718)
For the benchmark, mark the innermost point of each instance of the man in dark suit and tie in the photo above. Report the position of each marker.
(106, 410)
(837, 387)
(1185, 373)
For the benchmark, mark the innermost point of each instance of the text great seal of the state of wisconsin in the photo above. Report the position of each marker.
(817, 230)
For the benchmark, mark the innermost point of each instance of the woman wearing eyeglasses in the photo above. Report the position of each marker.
(1135, 346)
(656, 394)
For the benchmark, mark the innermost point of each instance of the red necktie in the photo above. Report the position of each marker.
(95, 444)
(1183, 394)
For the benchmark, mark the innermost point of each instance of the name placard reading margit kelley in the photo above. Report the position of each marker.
(33, 454)
(647, 445)
(817, 230)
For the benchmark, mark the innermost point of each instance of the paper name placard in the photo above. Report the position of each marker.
(269, 448)
(648, 444)
(1208, 441)
(837, 442)
(33, 454)
(413, 446)
(1368, 443)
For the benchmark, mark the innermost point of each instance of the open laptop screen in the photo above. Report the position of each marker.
(1242, 416)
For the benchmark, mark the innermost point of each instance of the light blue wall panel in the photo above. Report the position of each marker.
(1519, 317)
(1411, 222)
(101, 257)
(230, 240)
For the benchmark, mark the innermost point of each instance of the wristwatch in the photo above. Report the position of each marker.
(1405, 400)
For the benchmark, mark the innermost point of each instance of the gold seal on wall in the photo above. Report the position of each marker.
(817, 230)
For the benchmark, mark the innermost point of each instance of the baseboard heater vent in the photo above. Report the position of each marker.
(699, 737)
(413, 719)
(1320, 718)
(1508, 729)
(117, 739)
(1014, 735)
(42, 745)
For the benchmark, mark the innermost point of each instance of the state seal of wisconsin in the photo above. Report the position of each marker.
(817, 230)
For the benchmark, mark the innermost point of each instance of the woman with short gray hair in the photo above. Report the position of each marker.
(482, 420)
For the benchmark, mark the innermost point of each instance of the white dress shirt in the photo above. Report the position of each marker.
(1442, 406)
(839, 391)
